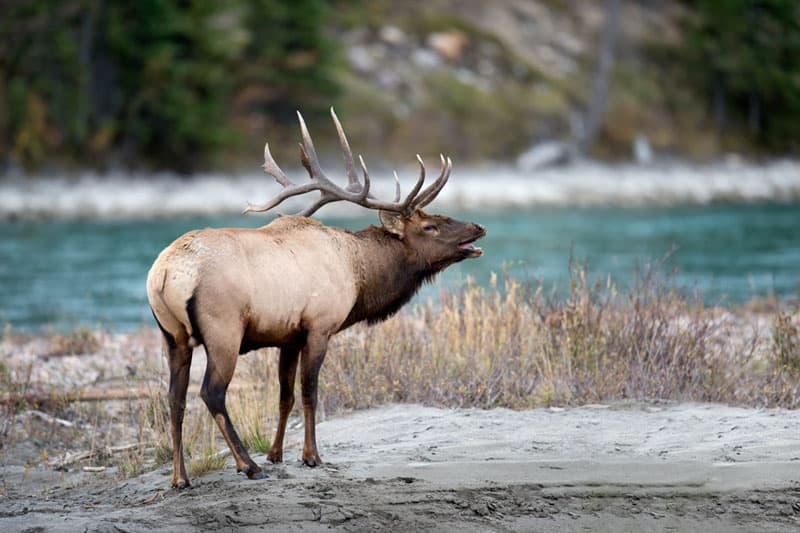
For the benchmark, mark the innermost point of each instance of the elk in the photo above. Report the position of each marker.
(293, 284)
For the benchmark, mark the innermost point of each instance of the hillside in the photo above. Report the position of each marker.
(486, 80)
(196, 87)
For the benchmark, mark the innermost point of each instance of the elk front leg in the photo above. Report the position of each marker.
(287, 370)
(311, 361)
(180, 360)
(220, 365)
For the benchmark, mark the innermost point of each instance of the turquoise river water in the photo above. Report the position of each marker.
(65, 273)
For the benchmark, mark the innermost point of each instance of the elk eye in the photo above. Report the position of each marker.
(429, 227)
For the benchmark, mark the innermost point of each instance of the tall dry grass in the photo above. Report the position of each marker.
(510, 344)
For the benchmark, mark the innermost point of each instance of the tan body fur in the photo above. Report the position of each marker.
(271, 285)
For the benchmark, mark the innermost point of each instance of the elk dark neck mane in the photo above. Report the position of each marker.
(388, 275)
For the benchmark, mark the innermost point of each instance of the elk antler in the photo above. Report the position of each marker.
(355, 192)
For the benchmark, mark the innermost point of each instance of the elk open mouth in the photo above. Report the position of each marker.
(470, 249)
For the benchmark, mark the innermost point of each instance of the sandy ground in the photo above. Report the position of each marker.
(623, 467)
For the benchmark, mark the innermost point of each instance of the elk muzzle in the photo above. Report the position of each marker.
(468, 247)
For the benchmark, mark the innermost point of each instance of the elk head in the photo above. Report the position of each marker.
(436, 239)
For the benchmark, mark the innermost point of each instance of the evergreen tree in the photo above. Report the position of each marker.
(745, 55)
(150, 81)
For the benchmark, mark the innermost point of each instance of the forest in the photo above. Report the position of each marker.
(193, 85)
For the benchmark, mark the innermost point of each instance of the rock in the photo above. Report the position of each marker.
(468, 77)
(555, 60)
(425, 59)
(733, 160)
(449, 44)
(361, 58)
(486, 68)
(642, 151)
(387, 78)
(392, 35)
(545, 154)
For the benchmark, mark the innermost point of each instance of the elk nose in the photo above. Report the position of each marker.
(481, 228)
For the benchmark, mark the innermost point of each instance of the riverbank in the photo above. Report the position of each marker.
(90, 390)
(493, 410)
(491, 186)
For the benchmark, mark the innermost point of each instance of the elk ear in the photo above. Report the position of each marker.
(392, 222)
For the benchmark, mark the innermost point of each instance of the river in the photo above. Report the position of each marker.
(76, 253)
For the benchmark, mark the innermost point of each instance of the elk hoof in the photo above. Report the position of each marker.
(253, 472)
(180, 485)
(312, 462)
(275, 457)
(256, 475)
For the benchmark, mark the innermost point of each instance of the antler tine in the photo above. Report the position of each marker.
(429, 194)
(372, 203)
(352, 177)
(407, 206)
(309, 154)
(396, 187)
(408, 202)
(311, 162)
(329, 191)
(272, 168)
(365, 190)
(288, 192)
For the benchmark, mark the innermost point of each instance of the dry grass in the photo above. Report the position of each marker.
(786, 341)
(510, 344)
(207, 461)
(252, 404)
(80, 341)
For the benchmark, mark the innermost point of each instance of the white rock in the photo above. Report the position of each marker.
(545, 154)
(425, 59)
(361, 59)
(392, 35)
(642, 151)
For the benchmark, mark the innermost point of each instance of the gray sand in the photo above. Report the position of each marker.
(631, 467)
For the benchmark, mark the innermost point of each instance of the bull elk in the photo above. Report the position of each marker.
(293, 284)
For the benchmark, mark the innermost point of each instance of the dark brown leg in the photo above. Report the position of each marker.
(313, 355)
(219, 371)
(287, 370)
(180, 359)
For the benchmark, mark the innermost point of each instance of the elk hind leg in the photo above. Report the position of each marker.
(221, 363)
(179, 356)
(287, 371)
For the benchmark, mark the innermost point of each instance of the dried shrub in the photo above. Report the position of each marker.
(208, 461)
(509, 345)
(78, 342)
(786, 341)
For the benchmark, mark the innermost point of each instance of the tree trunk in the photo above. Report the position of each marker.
(718, 103)
(605, 65)
(86, 72)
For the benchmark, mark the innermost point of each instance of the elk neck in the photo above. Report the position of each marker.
(389, 273)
